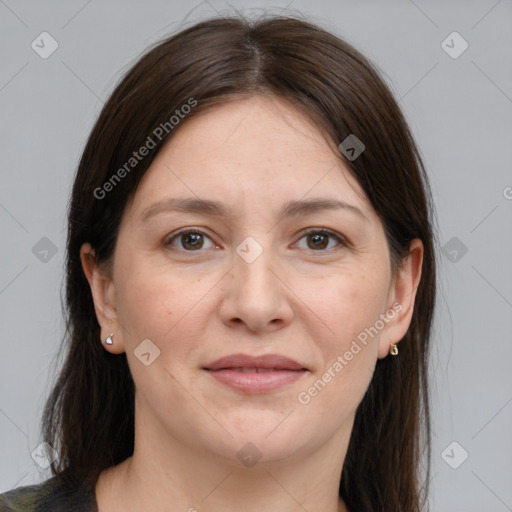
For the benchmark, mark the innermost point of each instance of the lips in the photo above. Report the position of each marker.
(253, 375)
(255, 363)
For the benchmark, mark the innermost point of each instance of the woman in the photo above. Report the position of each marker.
(250, 286)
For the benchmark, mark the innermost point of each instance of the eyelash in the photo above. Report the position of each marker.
(312, 231)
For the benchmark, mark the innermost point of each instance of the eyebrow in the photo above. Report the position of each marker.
(216, 209)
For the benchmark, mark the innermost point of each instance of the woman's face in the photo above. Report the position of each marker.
(255, 275)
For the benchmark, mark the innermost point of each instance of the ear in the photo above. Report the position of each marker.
(104, 297)
(401, 298)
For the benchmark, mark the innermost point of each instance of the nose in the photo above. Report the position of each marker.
(256, 296)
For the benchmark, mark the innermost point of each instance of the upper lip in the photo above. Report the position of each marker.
(271, 361)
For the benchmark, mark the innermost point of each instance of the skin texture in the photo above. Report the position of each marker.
(196, 306)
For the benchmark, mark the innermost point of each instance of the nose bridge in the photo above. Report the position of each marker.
(257, 296)
(253, 264)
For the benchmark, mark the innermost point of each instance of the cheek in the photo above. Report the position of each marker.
(160, 304)
(147, 308)
(348, 308)
(155, 300)
(156, 304)
(347, 305)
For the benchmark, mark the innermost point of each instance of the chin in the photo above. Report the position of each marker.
(259, 436)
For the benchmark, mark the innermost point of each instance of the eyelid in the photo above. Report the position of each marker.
(325, 231)
(342, 241)
(174, 235)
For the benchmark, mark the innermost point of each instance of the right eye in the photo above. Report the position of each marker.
(190, 240)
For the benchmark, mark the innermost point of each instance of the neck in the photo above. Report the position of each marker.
(171, 475)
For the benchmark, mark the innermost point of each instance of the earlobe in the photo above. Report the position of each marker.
(402, 298)
(103, 294)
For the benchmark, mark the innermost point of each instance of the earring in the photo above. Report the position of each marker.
(108, 340)
(394, 350)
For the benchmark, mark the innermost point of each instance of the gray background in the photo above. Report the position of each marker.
(460, 110)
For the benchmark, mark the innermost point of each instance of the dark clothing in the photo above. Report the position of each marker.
(48, 496)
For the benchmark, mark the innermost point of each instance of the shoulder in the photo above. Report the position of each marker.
(27, 498)
(46, 496)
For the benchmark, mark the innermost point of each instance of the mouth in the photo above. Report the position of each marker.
(255, 375)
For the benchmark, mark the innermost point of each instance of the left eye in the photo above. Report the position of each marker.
(190, 240)
(317, 240)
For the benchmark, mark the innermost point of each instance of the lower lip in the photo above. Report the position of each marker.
(253, 382)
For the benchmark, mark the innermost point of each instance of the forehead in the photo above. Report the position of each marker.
(258, 148)
(261, 126)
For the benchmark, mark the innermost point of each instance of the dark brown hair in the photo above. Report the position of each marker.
(89, 416)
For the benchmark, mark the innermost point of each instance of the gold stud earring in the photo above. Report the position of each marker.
(108, 340)
(394, 350)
